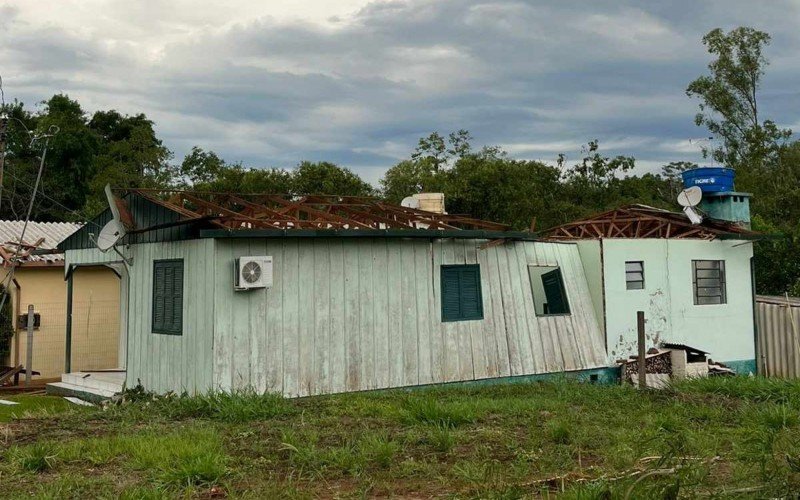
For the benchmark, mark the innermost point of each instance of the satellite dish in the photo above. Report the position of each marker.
(690, 197)
(693, 215)
(114, 230)
(410, 202)
(111, 233)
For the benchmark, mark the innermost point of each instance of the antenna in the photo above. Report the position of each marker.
(410, 202)
(688, 199)
(114, 230)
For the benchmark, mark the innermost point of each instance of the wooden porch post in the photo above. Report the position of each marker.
(68, 354)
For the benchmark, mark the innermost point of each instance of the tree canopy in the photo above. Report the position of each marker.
(106, 146)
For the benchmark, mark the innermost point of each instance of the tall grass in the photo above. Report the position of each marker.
(232, 407)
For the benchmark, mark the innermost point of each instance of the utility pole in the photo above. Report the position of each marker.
(3, 134)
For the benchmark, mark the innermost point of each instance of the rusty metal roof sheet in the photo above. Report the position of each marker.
(39, 236)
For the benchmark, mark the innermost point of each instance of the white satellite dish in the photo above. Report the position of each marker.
(114, 230)
(410, 202)
(111, 233)
(690, 197)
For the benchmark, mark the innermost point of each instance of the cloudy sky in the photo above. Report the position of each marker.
(274, 82)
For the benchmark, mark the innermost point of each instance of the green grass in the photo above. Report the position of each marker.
(32, 406)
(737, 437)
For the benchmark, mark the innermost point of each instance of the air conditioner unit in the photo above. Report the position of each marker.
(252, 272)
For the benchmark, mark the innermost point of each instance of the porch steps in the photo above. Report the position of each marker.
(91, 386)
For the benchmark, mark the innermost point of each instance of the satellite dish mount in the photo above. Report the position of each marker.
(114, 230)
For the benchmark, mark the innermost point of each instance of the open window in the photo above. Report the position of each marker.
(549, 294)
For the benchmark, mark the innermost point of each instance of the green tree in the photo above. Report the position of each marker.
(130, 155)
(70, 157)
(411, 177)
(729, 98)
(328, 178)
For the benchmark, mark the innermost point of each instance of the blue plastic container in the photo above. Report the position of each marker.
(709, 179)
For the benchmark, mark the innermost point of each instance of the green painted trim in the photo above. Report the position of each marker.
(742, 366)
(607, 375)
(368, 233)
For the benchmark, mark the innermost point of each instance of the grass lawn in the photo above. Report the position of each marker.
(737, 437)
(31, 406)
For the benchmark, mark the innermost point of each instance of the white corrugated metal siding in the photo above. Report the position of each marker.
(778, 336)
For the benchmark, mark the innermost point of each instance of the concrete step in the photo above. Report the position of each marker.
(101, 381)
(85, 393)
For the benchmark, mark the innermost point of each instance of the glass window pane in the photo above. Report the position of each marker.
(634, 266)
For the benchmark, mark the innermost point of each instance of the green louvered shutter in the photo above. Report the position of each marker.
(168, 296)
(554, 291)
(461, 293)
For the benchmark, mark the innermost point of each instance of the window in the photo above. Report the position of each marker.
(461, 293)
(168, 296)
(708, 278)
(634, 275)
(549, 294)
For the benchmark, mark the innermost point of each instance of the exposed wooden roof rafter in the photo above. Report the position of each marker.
(641, 221)
(268, 211)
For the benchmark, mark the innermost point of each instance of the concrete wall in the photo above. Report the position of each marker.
(356, 314)
(96, 323)
(725, 330)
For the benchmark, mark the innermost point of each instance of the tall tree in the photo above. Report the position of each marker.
(328, 178)
(729, 98)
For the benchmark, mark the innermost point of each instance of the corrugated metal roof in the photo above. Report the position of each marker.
(51, 234)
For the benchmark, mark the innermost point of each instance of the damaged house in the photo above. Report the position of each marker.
(327, 294)
(692, 278)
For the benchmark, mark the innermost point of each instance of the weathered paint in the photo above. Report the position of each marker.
(166, 362)
(604, 376)
(349, 315)
(592, 260)
(724, 330)
(778, 336)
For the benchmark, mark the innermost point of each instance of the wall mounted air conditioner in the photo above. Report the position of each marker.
(252, 272)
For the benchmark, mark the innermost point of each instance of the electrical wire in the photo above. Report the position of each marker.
(53, 130)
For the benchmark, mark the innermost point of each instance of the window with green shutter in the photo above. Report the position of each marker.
(461, 293)
(549, 293)
(168, 296)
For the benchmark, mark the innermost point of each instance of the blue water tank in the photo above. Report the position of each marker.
(709, 179)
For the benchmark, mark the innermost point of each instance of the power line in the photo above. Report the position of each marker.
(53, 130)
